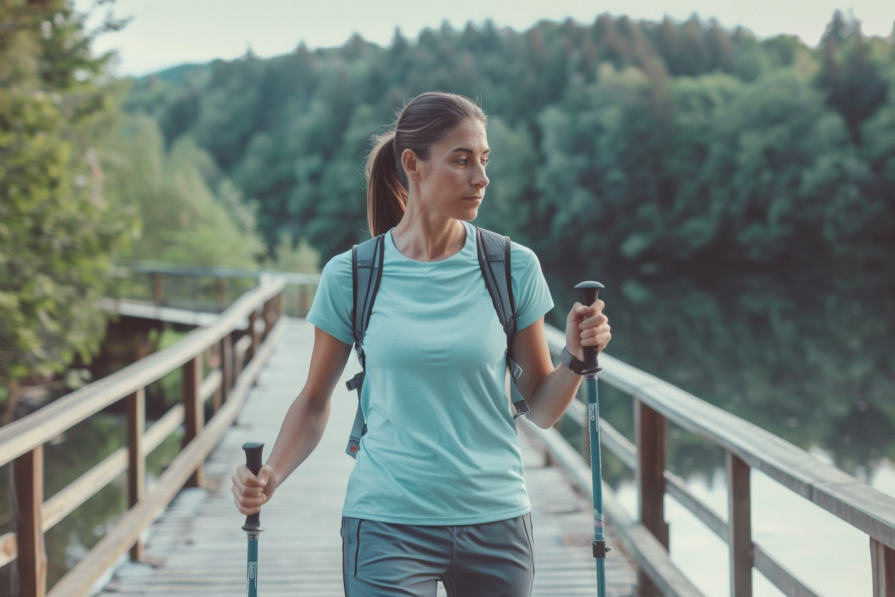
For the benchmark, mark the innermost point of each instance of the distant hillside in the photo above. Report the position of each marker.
(647, 146)
(178, 75)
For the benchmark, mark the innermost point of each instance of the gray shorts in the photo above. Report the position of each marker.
(492, 559)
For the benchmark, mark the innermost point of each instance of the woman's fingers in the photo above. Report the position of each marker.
(247, 505)
(600, 340)
(248, 490)
(593, 325)
(595, 331)
(593, 316)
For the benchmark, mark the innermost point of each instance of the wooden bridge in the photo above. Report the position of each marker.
(250, 355)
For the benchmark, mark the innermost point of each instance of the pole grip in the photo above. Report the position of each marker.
(253, 452)
(589, 294)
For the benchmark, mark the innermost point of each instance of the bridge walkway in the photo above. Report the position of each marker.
(197, 548)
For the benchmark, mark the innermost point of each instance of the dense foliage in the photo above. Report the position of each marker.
(57, 231)
(84, 185)
(634, 146)
(188, 211)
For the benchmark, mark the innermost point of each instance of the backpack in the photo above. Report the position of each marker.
(366, 266)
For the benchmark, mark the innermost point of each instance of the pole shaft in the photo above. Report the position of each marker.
(252, 567)
(593, 415)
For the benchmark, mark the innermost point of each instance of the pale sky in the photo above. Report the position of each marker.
(165, 33)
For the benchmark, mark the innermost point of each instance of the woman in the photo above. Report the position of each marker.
(437, 492)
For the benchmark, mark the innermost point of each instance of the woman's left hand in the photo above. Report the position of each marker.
(587, 326)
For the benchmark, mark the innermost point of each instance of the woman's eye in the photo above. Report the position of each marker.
(462, 161)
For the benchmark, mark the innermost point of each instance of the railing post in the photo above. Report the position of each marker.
(740, 526)
(226, 348)
(157, 289)
(213, 361)
(193, 411)
(30, 576)
(649, 428)
(238, 361)
(303, 301)
(253, 333)
(136, 463)
(882, 562)
(220, 288)
(267, 315)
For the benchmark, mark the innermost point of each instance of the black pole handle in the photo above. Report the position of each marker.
(253, 463)
(589, 292)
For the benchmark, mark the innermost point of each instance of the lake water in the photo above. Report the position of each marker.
(811, 362)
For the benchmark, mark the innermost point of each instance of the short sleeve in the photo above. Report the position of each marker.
(331, 309)
(530, 291)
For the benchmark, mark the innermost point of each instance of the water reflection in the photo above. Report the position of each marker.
(808, 360)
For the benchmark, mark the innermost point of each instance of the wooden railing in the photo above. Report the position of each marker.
(748, 447)
(239, 342)
(158, 274)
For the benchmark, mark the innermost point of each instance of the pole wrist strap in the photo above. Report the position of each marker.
(571, 362)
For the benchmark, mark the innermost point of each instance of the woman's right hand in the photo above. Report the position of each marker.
(250, 492)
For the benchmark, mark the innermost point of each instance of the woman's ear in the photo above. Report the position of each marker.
(412, 164)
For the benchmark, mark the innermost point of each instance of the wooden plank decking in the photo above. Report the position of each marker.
(197, 547)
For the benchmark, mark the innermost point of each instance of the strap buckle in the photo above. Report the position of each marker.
(355, 382)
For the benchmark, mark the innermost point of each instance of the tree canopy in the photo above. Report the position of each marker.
(633, 145)
(57, 231)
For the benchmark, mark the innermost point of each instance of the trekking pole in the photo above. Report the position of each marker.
(253, 527)
(589, 291)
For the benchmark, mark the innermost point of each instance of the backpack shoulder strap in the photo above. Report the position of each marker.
(366, 270)
(494, 260)
(366, 273)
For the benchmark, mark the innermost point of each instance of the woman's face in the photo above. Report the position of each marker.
(452, 181)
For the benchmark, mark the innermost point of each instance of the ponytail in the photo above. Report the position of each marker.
(386, 193)
(425, 120)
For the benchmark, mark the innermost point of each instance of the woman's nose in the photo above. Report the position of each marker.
(479, 178)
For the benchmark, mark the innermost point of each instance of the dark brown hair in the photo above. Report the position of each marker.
(425, 120)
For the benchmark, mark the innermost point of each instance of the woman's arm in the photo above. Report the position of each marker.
(548, 390)
(302, 427)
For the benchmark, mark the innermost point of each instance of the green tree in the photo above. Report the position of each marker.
(849, 75)
(188, 211)
(57, 231)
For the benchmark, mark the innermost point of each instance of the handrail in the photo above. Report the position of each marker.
(748, 446)
(237, 365)
(649, 554)
(852, 500)
(223, 272)
(157, 272)
(40, 427)
(82, 577)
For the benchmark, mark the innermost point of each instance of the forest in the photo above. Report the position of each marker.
(619, 144)
(620, 149)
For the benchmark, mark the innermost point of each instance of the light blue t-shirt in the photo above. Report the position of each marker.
(441, 446)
